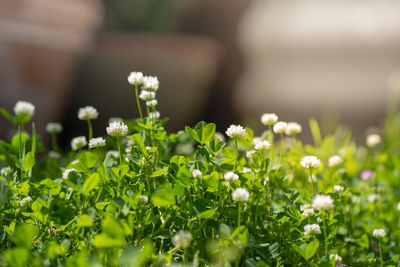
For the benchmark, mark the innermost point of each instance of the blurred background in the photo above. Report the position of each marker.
(225, 61)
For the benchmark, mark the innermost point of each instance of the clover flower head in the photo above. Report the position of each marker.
(335, 160)
(256, 139)
(135, 78)
(372, 198)
(25, 200)
(220, 136)
(78, 142)
(323, 202)
(67, 172)
(87, 113)
(246, 170)
(182, 239)
(335, 257)
(24, 108)
(152, 103)
(398, 206)
(5, 171)
(150, 83)
(312, 229)
(143, 199)
(147, 95)
(113, 153)
(231, 177)
(280, 127)
(236, 131)
(262, 145)
(269, 118)
(117, 128)
(196, 173)
(307, 210)
(154, 115)
(310, 162)
(293, 128)
(373, 140)
(337, 189)
(379, 233)
(54, 127)
(250, 153)
(365, 175)
(97, 142)
(241, 194)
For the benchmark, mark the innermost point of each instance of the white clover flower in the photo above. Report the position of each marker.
(78, 142)
(323, 202)
(88, 113)
(335, 161)
(269, 118)
(379, 233)
(114, 119)
(312, 229)
(246, 170)
(152, 103)
(135, 78)
(117, 128)
(113, 153)
(220, 136)
(293, 128)
(249, 154)
(280, 127)
(373, 198)
(150, 83)
(256, 140)
(335, 257)
(54, 155)
(54, 127)
(310, 162)
(5, 171)
(147, 95)
(241, 194)
(231, 177)
(262, 145)
(337, 189)
(342, 231)
(67, 172)
(319, 220)
(236, 131)
(313, 178)
(196, 173)
(398, 206)
(307, 210)
(373, 140)
(154, 115)
(25, 200)
(266, 180)
(97, 142)
(24, 108)
(143, 199)
(182, 239)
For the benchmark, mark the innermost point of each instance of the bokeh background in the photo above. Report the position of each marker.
(225, 61)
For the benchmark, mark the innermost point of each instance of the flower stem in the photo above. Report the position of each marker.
(54, 141)
(325, 236)
(239, 208)
(119, 150)
(380, 251)
(281, 152)
(236, 153)
(312, 182)
(90, 129)
(138, 102)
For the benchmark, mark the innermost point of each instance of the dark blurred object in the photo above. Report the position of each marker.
(185, 65)
(40, 44)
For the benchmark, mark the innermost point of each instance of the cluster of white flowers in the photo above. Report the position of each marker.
(262, 145)
(335, 160)
(373, 140)
(113, 153)
(246, 170)
(323, 202)
(312, 229)
(135, 78)
(54, 127)
(25, 200)
(335, 257)
(250, 153)
(24, 108)
(310, 162)
(152, 103)
(97, 142)
(280, 127)
(231, 177)
(67, 172)
(88, 113)
(151, 83)
(236, 131)
(78, 142)
(372, 198)
(196, 173)
(293, 128)
(269, 118)
(117, 128)
(379, 233)
(154, 115)
(143, 199)
(5, 171)
(147, 95)
(307, 210)
(337, 189)
(240, 194)
(182, 239)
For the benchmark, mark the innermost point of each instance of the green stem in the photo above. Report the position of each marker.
(281, 152)
(90, 129)
(119, 150)
(138, 102)
(20, 142)
(54, 141)
(380, 251)
(312, 182)
(236, 153)
(239, 208)
(325, 236)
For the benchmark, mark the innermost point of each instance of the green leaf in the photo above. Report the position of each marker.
(84, 221)
(208, 132)
(24, 235)
(103, 241)
(3, 191)
(88, 159)
(17, 257)
(90, 183)
(311, 248)
(112, 228)
(29, 161)
(315, 131)
(163, 197)
(159, 172)
(299, 250)
(193, 134)
(206, 214)
(6, 115)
